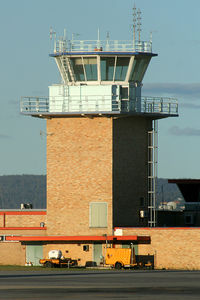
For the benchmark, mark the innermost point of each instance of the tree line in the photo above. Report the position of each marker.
(17, 189)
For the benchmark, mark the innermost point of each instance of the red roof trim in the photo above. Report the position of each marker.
(156, 228)
(22, 213)
(23, 228)
(76, 238)
(126, 238)
(133, 238)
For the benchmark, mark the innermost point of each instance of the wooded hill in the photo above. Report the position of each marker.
(17, 189)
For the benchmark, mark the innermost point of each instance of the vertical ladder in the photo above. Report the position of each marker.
(70, 69)
(152, 172)
(67, 69)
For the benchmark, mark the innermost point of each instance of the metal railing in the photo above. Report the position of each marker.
(159, 105)
(98, 104)
(62, 46)
(34, 104)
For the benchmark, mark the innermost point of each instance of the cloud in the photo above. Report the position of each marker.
(189, 90)
(13, 102)
(187, 131)
(4, 136)
(190, 105)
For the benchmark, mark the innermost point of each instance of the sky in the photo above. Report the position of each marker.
(27, 70)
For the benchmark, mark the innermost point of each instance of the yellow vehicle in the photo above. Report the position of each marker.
(56, 262)
(55, 259)
(124, 258)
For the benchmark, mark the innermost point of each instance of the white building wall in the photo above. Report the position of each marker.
(83, 98)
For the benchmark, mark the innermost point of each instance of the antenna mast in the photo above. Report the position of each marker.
(53, 36)
(134, 22)
(139, 23)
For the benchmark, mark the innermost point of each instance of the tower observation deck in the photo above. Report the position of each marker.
(100, 77)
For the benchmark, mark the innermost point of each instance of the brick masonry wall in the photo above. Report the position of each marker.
(20, 220)
(24, 220)
(173, 248)
(1, 221)
(79, 171)
(95, 160)
(30, 232)
(177, 248)
(12, 254)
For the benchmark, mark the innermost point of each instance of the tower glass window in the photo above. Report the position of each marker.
(77, 65)
(121, 68)
(114, 68)
(90, 65)
(139, 68)
(107, 68)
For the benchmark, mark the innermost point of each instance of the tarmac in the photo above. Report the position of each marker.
(102, 284)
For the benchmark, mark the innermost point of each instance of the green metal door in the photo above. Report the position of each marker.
(33, 254)
(97, 253)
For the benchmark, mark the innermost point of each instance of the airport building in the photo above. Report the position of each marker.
(101, 161)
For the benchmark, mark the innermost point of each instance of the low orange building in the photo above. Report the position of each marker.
(23, 240)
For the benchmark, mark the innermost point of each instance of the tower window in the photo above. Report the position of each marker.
(121, 68)
(90, 65)
(139, 68)
(107, 68)
(98, 214)
(114, 68)
(77, 65)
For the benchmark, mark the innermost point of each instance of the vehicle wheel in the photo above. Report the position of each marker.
(142, 265)
(118, 265)
(48, 264)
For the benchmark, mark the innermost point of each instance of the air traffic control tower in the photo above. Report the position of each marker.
(101, 137)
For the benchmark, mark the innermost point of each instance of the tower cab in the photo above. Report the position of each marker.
(100, 77)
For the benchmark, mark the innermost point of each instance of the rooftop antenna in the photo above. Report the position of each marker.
(52, 35)
(98, 38)
(134, 21)
(64, 42)
(65, 34)
(139, 23)
(107, 38)
(75, 35)
(98, 34)
(107, 35)
(151, 35)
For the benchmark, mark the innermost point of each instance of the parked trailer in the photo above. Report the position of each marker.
(124, 258)
(57, 260)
